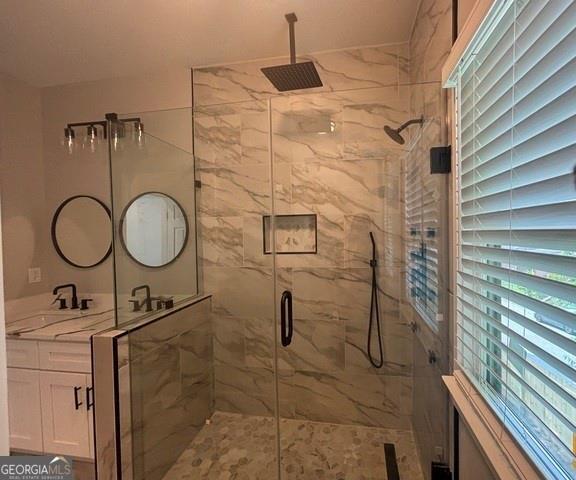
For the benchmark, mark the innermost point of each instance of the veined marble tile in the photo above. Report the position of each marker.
(259, 336)
(234, 191)
(229, 340)
(253, 236)
(331, 293)
(222, 241)
(346, 69)
(363, 121)
(357, 244)
(244, 390)
(353, 399)
(317, 346)
(242, 292)
(217, 140)
(359, 68)
(255, 138)
(404, 63)
(431, 40)
(196, 360)
(195, 317)
(397, 351)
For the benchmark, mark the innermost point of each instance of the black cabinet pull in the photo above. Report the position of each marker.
(286, 319)
(77, 402)
(89, 398)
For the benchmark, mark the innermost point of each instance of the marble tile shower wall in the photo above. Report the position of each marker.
(332, 158)
(167, 393)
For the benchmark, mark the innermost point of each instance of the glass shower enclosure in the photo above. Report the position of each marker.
(268, 376)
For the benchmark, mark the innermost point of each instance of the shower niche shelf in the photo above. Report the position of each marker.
(295, 234)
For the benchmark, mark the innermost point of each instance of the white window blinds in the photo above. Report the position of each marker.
(516, 285)
(425, 202)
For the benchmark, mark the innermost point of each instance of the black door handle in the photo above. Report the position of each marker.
(89, 398)
(77, 402)
(286, 320)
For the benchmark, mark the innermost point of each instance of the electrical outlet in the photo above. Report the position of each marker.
(34, 275)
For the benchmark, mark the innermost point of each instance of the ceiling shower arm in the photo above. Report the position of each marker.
(292, 19)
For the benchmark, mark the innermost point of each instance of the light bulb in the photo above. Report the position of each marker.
(68, 140)
(91, 140)
(117, 133)
(139, 133)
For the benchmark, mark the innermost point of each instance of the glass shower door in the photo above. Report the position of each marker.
(337, 179)
(235, 205)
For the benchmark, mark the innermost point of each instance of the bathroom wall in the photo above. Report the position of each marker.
(25, 239)
(37, 174)
(88, 174)
(350, 177)
(4, 436)
(429, 47)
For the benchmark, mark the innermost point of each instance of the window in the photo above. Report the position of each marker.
(425, 206)
(516, 204)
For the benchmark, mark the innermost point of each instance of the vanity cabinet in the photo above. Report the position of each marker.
(66, 425)
(25, 409)
(50, 398)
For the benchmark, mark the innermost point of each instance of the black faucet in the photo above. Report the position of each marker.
(74, 296)
(147, 301)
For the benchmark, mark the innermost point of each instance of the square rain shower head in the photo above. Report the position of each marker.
(293, 76)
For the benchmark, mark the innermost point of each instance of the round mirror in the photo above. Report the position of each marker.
(81, 231)
(154, 229)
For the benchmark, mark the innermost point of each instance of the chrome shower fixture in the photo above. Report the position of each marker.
(395, 133)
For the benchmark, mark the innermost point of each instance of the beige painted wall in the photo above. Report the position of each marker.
(36, 173)
(4, 437)
(88, 174)
(25, 238)
(473, 466)
(464, 9)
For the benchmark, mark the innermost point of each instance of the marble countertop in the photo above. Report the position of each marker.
(56, 326)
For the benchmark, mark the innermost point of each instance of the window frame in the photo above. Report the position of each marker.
(480, 18)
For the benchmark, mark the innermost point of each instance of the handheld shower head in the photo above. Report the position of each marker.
(394, 133)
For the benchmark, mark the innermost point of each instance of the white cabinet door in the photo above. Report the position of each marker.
(24, 410)
(90, 407)
(64, 415)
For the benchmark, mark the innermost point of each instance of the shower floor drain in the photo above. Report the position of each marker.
(391, 462)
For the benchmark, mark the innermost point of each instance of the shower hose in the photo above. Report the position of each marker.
(374, 311)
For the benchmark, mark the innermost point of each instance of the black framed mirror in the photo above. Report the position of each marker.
(154, 229)
(82, 231)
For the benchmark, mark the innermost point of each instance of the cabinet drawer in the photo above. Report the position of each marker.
(22, 353)
(65, 357)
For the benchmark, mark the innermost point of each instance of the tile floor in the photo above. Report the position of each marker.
(242, 447)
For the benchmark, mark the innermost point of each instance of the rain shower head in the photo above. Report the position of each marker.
(395, 133)
(293, 76)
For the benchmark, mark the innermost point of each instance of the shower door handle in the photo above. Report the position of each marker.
(286, 319)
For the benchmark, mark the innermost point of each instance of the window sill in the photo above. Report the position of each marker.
(506, 458)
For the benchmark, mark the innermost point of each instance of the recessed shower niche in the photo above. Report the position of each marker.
(294, 234)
